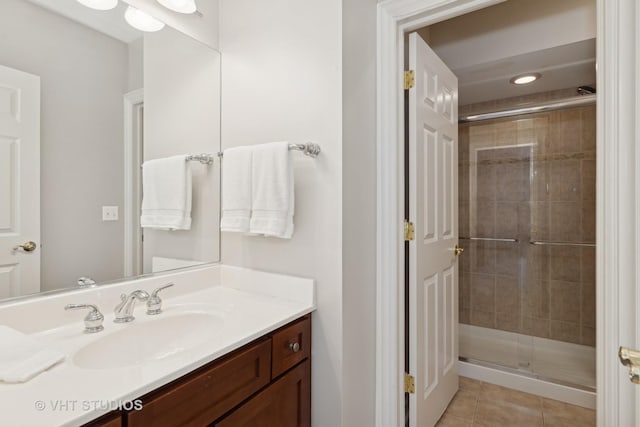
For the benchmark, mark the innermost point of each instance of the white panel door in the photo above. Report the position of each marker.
(433, 204)
(19, 182)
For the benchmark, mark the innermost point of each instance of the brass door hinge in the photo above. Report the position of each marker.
(409, 231)
(409, 384)
(409, 79)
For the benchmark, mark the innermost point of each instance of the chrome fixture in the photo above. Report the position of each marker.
(543, 243)
(586, 90)
(489, 239)
(154, 303)
(124, 310)
(309, 149)
(93, 320)
(530, 108)
(85, 282)
(205, 159)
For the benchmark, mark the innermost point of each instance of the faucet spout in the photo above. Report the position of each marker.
(124, 310)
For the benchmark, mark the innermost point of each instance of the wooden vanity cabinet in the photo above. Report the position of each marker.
(266, 383)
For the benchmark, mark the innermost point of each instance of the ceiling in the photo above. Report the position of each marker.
(109, 22)
(486, 48)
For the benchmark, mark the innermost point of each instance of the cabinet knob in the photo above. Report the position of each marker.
(294, 346)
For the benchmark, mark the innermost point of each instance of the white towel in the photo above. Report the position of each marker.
(22, 357)
(166, 201)
(236, 189)
(272, 191)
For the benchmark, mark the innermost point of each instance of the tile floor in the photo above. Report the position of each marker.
(487, 405)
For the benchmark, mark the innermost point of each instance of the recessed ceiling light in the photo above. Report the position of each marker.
(525, 78)
(142, 21)
(181, 6)
(99, 4)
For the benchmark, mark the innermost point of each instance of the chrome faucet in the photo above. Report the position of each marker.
(154, 303)
(124, 310)
(93, 321)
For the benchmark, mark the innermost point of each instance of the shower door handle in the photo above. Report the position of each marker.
(631, 359)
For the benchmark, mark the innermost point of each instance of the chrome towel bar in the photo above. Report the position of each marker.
(488, 239)
(308, 149)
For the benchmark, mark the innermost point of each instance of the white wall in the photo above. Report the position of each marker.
(359, 211)
(135, 56)
(83, 76)
(282, 80)
(203, 28)
(182, 116)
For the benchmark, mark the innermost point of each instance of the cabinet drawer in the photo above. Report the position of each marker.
(109, 420)
(285, 403)
(207, 394)
(291, 345)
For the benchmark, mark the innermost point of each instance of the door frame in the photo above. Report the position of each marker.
(132, 241)
(617, 206)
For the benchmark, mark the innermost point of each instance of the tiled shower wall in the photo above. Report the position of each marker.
(529, 179)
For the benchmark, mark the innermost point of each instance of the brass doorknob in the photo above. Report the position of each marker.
(458, 250)
(27, 247)
(631, 359)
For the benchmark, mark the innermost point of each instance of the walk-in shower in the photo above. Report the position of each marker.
(527, 222)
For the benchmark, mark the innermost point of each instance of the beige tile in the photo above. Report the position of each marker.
(483, 318)
(464, 316)
(492, 414)
(588, 265)
(589, 128)
(483, 288)
(507, 293)
(588, 336)
(589, 179)
(564, 221)
(485, 220)
(507, 259)
(470, 385)
(524, 221)
(535, 299)
(540, 217)
(588, 221)
(513, 182)
(485, 183)
(508, 321)
(540, 180)
(588, 305)
(448, 420)
(564, 331)
(564, 263)
(462, 406)
(464, 292)
(559, 414)
(564, 298)
(507, 220)
(535, 326)
(483, 257)
(502, 395)
(564, 180)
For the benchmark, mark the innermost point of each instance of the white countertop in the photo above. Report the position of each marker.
(249, 303)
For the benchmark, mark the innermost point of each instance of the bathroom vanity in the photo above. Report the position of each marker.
(231, 347)
(266, 382)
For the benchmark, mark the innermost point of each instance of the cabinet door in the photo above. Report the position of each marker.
(285, 403)
(207, 394)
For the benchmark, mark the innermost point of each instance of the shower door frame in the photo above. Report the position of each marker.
(618, 111)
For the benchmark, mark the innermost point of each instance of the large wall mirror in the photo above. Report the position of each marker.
(85, 101)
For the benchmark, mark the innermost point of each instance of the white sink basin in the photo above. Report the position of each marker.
(149, 341)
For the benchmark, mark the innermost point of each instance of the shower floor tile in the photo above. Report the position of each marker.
(481, 404)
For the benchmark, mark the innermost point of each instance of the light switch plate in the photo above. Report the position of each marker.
(109, 213)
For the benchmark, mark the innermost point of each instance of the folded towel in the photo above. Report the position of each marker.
(166, 201)
(22, 357)
(236, 189)
(272, 191)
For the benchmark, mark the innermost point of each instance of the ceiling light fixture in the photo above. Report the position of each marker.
(525, 78)
(180, 6)
(99, 4)
(142, 21)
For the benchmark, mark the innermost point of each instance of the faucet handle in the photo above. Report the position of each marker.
(154, 304)
(93, 320)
